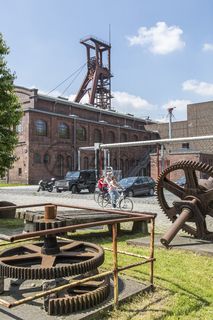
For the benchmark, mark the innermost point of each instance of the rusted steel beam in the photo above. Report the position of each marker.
(152, 242)
(26, 206)
(70, 228)
(115, 263)
(127, 253)
(184, 216)
(136, 264)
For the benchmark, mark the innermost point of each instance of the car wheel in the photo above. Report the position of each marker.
(74, 189)
(58, 190)
(151, 192)
(130, 193)
(92, 188)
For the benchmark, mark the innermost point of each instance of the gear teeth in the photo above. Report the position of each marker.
(185, 164)
(79, 302)
(64, 269)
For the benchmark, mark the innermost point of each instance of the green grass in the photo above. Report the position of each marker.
(2, 184)
(11, 223)
(183, 283)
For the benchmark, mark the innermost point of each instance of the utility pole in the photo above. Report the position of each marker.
(170, 110)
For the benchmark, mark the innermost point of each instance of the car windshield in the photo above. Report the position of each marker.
(72, 175)
(126, 182)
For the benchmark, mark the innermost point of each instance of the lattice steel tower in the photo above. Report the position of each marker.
(97, 82)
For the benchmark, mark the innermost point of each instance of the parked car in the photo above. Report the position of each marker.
(137, 186)
(76, 181)
(181, 181)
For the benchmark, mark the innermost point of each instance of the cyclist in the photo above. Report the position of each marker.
(102, 185)
(113, 191)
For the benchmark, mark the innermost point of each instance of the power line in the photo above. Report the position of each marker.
(73, 79)
(80, 68)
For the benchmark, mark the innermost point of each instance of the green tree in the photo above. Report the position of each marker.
(10, 112)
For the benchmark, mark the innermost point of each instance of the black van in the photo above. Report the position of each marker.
(76, 181)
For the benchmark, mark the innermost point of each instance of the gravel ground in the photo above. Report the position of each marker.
(29, 195)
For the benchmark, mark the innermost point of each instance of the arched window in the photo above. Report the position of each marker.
(81, 134)
(69, 163)
(126, 166)
(97, 135)
(135, 137)
(123, 137)
(60, 165)
(111, 137)
(37, 158)
(46, 158)
(122, 166)
(63, 130)
(40, 128)
(115, 164)
(86, 163)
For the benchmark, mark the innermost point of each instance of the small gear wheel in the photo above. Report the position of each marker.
(30, 262)
(80, 297)
(194, 188)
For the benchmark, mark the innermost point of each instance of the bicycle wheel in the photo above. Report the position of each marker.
(106, 200)
(96, 195)
(126, 204)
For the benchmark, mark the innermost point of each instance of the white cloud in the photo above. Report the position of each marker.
(179, 105)
(201, 88)
(129, 103)
(160, 39)
(208, 47)
(180, 109)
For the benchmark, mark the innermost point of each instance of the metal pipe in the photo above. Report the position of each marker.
(136, 265)
(186, 213)
(57, 289)
(67, 229)
(153, 142)
(115, 263)
(127, 253)
(152, 241)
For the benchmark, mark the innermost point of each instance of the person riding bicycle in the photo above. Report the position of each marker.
(102, 185)
(113, 191)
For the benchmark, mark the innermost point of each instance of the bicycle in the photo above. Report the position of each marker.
(122, 203)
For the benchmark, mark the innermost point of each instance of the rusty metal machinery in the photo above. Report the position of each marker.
(194, 201)
(51, 259)
(79, 298)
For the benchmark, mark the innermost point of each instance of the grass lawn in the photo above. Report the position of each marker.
(2, 184)
(183, 283)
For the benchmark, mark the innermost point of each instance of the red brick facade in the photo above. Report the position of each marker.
(53, 129)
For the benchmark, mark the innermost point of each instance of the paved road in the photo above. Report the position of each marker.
(29, 195)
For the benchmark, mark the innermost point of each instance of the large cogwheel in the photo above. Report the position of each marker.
(28, 262)
(194, 187)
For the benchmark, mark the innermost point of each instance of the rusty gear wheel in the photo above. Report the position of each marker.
(194, 188)
(79, 298)
(28, 261)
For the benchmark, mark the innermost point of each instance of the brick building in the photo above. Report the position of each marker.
(53, 129)
(199, 123)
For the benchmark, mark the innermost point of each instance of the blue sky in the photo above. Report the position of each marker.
(162, 51)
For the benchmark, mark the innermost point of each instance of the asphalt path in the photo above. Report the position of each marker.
(25, 195)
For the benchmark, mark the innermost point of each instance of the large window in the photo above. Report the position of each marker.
(123, 137)
(60, 165)
(81, 134)
(37, 158)
(111, 137)
(63, 131)
(69, 163)
(40, 128)
(46, 158)
(97, 136)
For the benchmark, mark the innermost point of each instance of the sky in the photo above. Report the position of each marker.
(162, 50)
